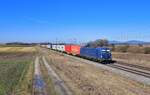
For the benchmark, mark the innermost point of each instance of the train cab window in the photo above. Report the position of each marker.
(106, 51)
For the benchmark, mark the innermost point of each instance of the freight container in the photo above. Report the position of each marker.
(48, 46)
(61, 48)
(68, 49)
(72, 49)
(54, 47)
(101, 54)
(75, 49)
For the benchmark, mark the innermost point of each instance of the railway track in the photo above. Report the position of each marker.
(130, 68)
(135, 66)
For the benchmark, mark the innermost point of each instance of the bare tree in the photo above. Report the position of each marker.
(98, 43)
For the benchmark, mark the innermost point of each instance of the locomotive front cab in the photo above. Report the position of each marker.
(105, 54)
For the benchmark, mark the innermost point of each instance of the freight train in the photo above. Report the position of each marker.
(100, 54)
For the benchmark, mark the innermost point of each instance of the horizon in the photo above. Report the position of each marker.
(74, 21)
(109, 41)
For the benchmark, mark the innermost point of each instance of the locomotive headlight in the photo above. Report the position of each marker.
(108, 50)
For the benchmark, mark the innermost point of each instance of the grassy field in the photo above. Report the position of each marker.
(10, 74)
(132, 58)
(14, 65)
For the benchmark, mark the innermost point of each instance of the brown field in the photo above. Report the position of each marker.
(132, 58)
(17, 49)
(16, 53)
(85, 79)
(138, 49)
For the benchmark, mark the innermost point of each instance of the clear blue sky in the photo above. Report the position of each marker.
(81, 20)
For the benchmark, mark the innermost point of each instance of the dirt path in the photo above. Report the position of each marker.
(59, 84)
(39, 85)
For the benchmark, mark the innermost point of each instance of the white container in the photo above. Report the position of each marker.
(48, 46)
(54, 47)
(61, 48)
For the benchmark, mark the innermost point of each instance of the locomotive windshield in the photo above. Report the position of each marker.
(106, 51)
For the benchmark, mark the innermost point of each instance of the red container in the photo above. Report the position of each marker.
(72, 49)
(75, 49)
(68, 49)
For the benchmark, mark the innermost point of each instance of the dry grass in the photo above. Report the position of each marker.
(135, 49)
(17, 49)
(133, 58)
(85, 79)
(4, 49)
(27, 49)
(138, 49)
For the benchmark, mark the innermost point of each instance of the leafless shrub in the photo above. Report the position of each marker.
(147, 50)
(122, 48)
(135, 49)
(98, 43)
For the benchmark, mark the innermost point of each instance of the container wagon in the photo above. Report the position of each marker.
(61, 48)
(98, 54)
(72, 49)
(48, 46)
(54, 47)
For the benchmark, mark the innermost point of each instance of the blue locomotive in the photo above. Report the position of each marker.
(99, 54)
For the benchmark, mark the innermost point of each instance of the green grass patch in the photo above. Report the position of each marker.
(10, 74)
